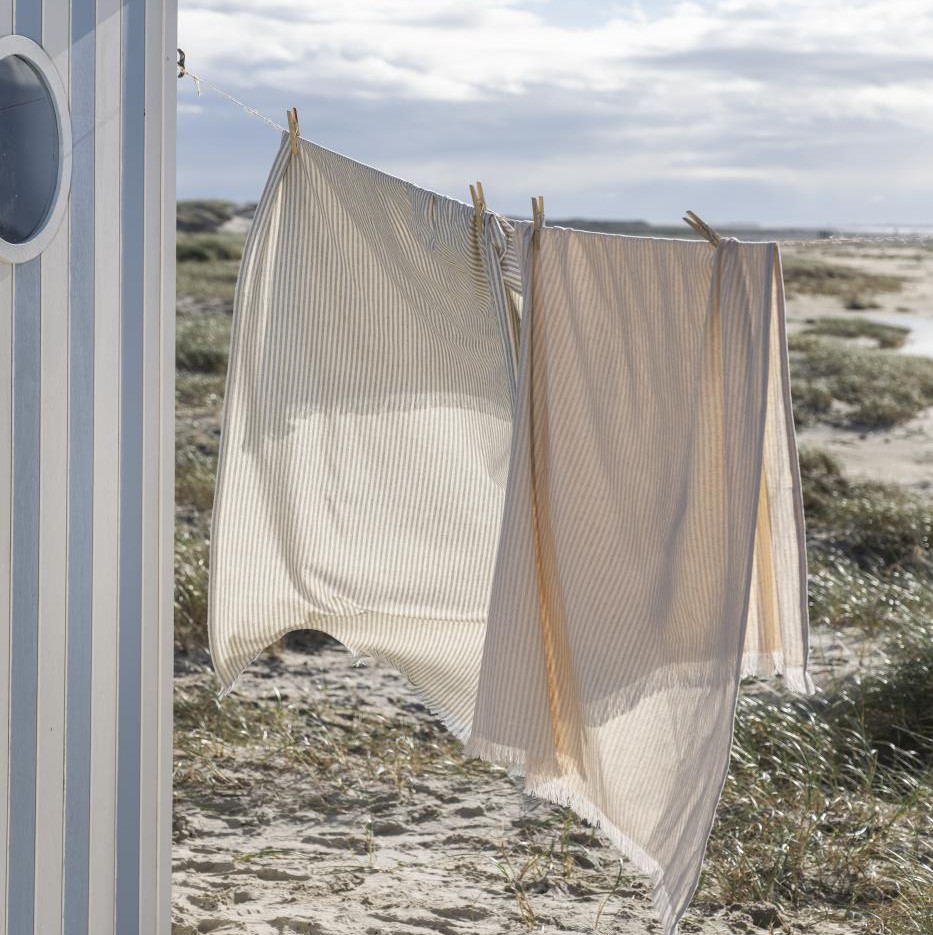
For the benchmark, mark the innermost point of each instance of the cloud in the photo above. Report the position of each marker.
(774, 94)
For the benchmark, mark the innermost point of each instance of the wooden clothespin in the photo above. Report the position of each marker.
(537, 211)
(702, 228)
(293, 129)
(479, 205)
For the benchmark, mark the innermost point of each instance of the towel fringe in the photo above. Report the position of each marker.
(551, 788)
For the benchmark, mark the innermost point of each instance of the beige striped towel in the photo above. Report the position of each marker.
(367, 425)
(653, 510)
(651, 550)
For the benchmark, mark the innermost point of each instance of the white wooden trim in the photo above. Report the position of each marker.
(6, 477)
(166, 649)
(102, 878)
(158, 415)
(166, 341)
(6, 525)
(53, 535)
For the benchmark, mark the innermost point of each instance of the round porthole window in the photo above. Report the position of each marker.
(35, 149)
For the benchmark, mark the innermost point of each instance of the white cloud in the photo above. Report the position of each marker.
(748, 90)
(428, 49)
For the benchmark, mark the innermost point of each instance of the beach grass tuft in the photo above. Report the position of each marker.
(207, 248)
(808, 275)
(202, 343)
(889, 337)
(856, 387)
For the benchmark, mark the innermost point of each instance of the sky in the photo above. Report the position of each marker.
(780, 113)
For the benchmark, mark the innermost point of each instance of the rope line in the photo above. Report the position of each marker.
(183, 72)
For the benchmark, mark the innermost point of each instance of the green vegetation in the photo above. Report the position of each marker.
(877, 527)
(827, 802)
(215, 281)
(202, 216)
(205, 248)
(870, 553)
(810, 276)
(194, 479)
(207, 266)
(207, 272)
(827, 799)
(202, 343)
(856, 387)
(199, 390)
(888, 337)
(191, 563)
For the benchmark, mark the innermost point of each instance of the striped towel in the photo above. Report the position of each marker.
(367, 424)
(652, 546)
(636, 543)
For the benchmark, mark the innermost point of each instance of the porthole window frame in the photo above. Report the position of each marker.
(45, 232)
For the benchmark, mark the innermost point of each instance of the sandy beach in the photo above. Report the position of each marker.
(903, 454)
(321, 798)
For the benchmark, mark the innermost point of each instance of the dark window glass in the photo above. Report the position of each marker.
(29, 147)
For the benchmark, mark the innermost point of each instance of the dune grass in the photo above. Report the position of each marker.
(202, 343)
(191, 564)
(206, 248)
(827, 799)
(887, 337)
(207, 265)
(199, 390)
(856, 387)
(827, 802)
(194, 479)
(203, 215)
(213, 280)
(343, 752)
(877, 527)
(808, 275)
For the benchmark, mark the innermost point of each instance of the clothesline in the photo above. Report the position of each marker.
(911, 240)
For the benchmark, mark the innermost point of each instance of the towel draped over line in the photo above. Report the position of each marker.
(577, 596)
(652, 507)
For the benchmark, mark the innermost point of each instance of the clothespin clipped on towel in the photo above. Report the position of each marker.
(537, 211)
(293, 129)
(479, 205)
(702, 228)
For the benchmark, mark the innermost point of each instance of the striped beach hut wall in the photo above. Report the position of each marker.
(87, 115)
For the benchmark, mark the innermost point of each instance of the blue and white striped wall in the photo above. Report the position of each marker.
(86, 456)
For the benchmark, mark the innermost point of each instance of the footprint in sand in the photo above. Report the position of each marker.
(206, 866)
(297, 927)
(464, 913)
(273, 875)
(428, 813)
(417, 922)
(213, 925)
(470, 811)
(338, 842)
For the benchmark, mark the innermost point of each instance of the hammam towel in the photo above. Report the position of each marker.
(366, 430)
(652, 547)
